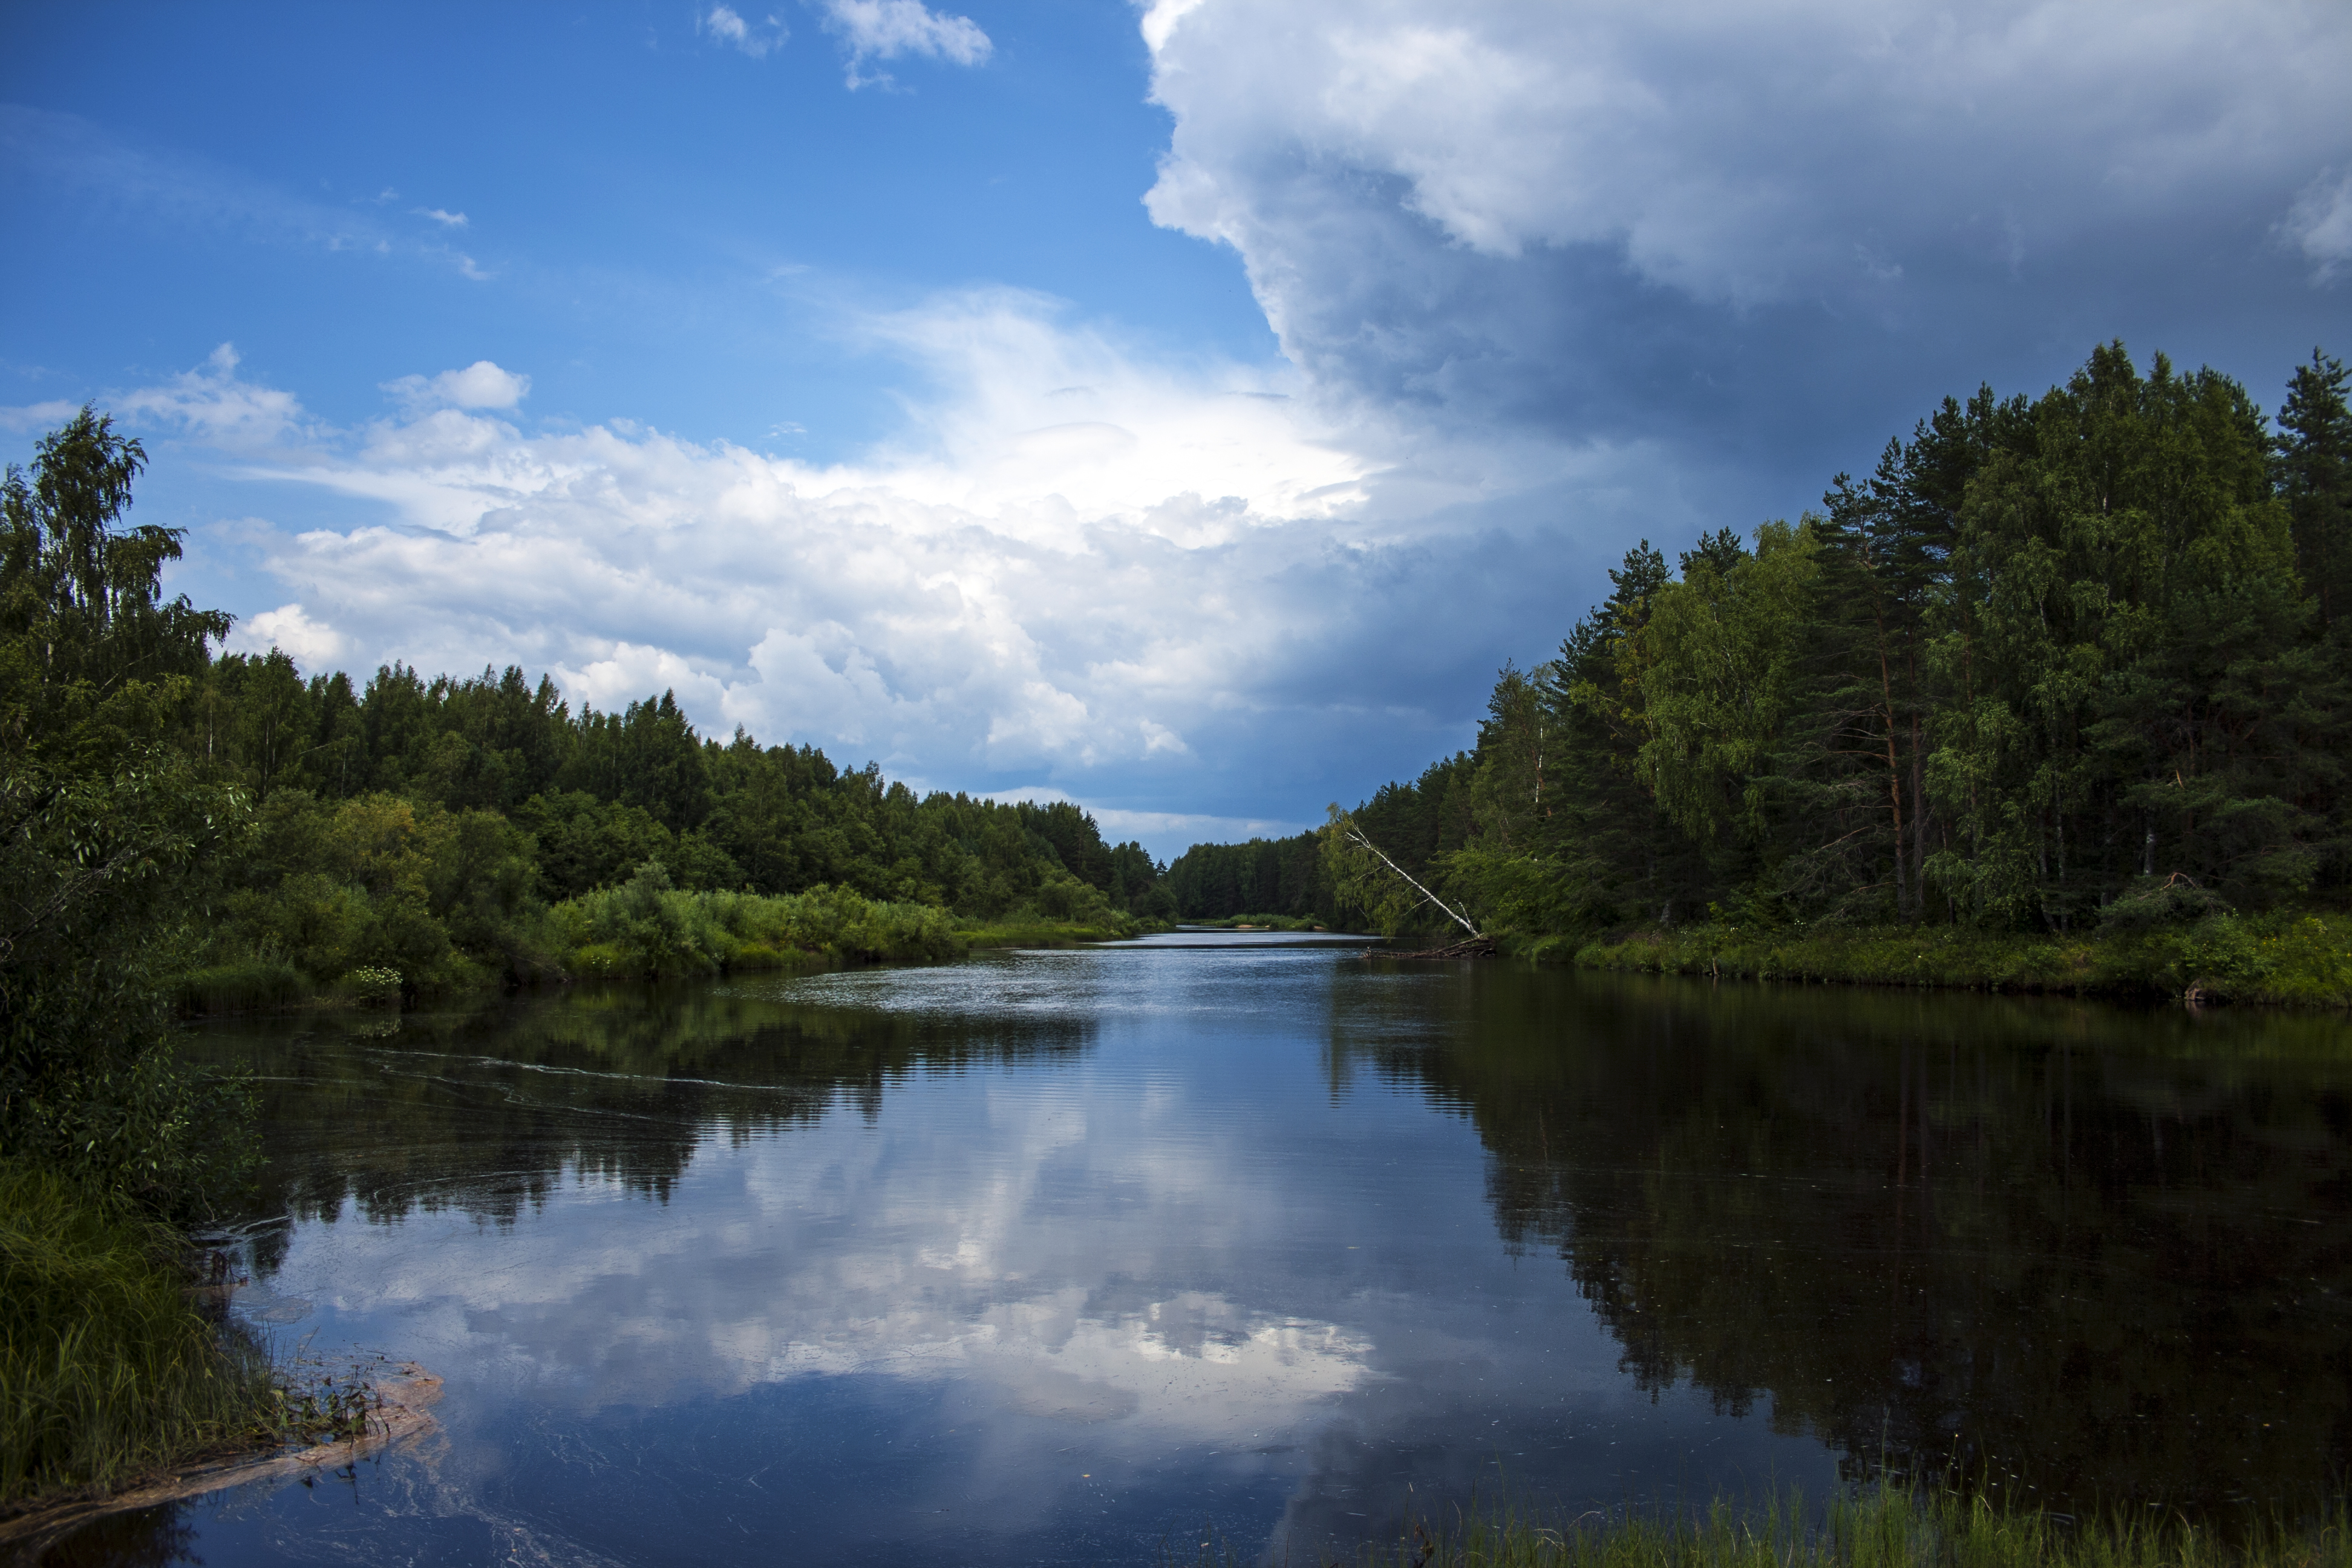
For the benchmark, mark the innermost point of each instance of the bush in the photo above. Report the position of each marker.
(647, 929)
(2170, 901)
(374, 987)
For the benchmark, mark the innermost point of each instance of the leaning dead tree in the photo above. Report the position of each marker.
(1356, 836)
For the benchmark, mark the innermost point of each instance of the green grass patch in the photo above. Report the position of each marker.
(1884, 1528)
(251, 985)
(107, 1368)
(1265, 922)
(2285, 957)
(1016, 932)
(755, 956)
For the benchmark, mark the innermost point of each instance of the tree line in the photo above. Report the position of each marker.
(506, 799)
(168, 810)
(2063, 664)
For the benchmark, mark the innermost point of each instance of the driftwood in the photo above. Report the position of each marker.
(1476, 947)
(399, 1412)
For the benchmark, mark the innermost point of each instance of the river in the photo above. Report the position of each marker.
(1094, 1256)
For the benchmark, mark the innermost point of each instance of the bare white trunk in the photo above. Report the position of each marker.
(1458, 918)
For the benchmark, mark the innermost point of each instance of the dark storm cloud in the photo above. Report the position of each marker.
(1766, 238)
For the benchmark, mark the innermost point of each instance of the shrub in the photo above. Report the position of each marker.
(645, 927)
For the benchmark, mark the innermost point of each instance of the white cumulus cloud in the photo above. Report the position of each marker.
(308, 643)
(1076, 564)
(216, 405)
(480, 384)
(756, 39)
(889, 30)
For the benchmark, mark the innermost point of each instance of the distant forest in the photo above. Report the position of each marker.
(497, 795)
(315, 836)
(2054, 664)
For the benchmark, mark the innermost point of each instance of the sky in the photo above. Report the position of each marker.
(1183, 410)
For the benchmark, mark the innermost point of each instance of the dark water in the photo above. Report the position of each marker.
(1069, 1256)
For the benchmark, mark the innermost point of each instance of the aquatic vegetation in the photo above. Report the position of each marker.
(241, 986)
(107, 1366)
(1887, 1527)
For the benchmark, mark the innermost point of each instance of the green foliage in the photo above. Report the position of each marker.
(2314, 474)
(247, 986)
(434, 829)
(2289, 957)
(1715, 664)
(1295, 875)
(2070, 666)
(107, 836)
(647, 929)
(106, 1369)
(1879, 1527)
(1264, 921)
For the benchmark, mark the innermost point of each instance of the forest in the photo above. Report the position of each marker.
(457, 830)
(201, 830)
(2070, 666)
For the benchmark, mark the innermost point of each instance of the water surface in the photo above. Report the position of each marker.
(1068, 1256)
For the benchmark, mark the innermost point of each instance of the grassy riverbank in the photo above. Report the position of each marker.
(2287, 957)
(1265, 922)
(645, 929)
(1015, 932)
(1885, 1529)
(107, 1368)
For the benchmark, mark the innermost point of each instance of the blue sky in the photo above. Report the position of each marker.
(1182, 410)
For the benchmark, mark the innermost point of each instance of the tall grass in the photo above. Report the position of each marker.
(1265, 922)
(107, 1368)
(1885, 1527)
(246, 986)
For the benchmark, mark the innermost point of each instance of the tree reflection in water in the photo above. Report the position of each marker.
(2088, 1255)
(484, 1113)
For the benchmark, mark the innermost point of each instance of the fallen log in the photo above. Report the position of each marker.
(398, 1412)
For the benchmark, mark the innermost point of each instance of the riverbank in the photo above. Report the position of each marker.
(395, 1408)
(646, 929)
(1017, 933)
(1265, 922)
(110, 1368)
(1887, 1528)
(2298, 958)
(123, 1382)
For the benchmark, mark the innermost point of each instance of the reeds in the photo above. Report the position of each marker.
(1884, 1527)
(107, 1367)
(247, 986)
